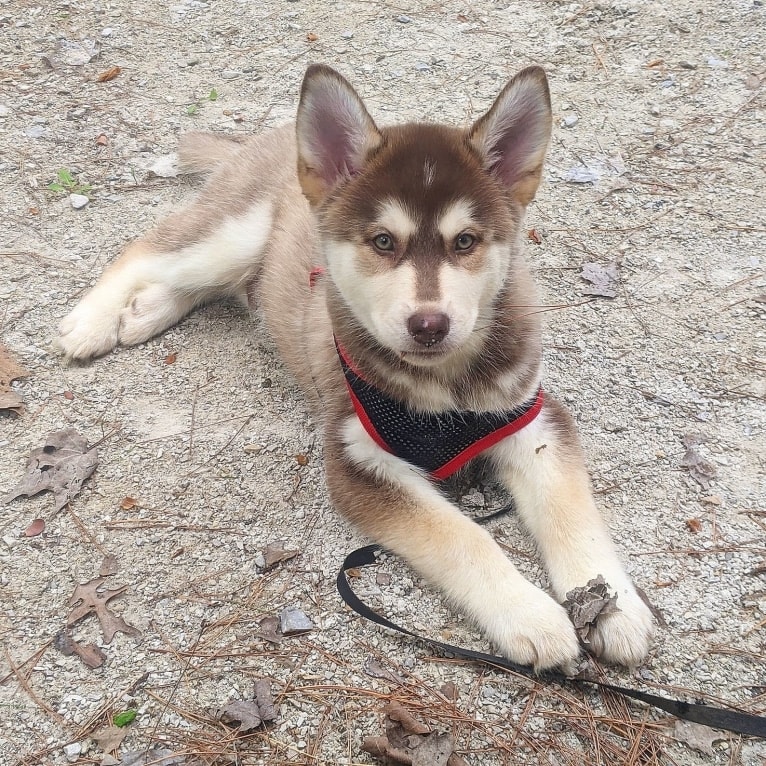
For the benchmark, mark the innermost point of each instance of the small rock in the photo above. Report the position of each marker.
(715, 63)
(78, 201)
(72, 751)
(36, 131)
(4, 110)
(570, 121)
(292, 621)
(230, 74)
(106, 32)
(403, 19)
(347, 35)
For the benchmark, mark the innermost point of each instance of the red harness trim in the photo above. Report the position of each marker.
(490, 440)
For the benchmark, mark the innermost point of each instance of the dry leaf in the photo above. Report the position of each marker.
(128, 503)
(312, 37)
(102, 140)
(37, 527)
(275, 552)
(108, 566)
(268, 630)
(170, 358)
(409, 741)
(535, 236)
(60, 466)
(605, 280)
(68, 395)
(109, 738)
(250, 714)
(700, 469)
(90, 654)
(301, 459)
(374, 669)
(694, 525)
(87, 599)
(697, 736)
(9, 371)
(587, 604)
(109, 74)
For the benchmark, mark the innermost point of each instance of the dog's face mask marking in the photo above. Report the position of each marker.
(419, 222)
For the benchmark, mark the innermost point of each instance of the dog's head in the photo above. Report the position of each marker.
(420, 222)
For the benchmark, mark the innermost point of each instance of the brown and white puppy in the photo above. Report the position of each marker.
(417, 230)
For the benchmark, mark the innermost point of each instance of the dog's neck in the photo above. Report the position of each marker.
(498, 368)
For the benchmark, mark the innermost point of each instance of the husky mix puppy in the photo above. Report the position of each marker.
(388, 265)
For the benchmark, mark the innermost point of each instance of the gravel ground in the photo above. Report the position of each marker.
(206, 453)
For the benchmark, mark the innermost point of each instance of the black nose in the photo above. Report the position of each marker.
(428, 328)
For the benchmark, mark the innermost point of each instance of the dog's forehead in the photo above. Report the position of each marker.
(420, 172)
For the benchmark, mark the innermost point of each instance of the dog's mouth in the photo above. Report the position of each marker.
(425, 355)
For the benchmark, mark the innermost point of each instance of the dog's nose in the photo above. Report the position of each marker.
(428, 328)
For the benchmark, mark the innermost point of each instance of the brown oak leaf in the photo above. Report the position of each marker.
(88, 599)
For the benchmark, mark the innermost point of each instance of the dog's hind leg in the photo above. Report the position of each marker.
(162, 277)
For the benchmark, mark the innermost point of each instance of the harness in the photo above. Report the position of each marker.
(439, 443)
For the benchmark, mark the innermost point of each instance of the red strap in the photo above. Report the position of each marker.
(314, 275)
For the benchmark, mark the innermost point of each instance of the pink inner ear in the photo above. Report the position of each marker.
(335, 130)
(331, 146)
(516, 143)
(513, 136)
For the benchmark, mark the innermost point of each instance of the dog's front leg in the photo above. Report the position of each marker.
(397, 506)
(543, 468)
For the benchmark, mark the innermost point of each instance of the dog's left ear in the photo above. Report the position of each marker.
(512, 137)
(334, 130)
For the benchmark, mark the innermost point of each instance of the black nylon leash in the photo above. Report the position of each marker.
(708, 715)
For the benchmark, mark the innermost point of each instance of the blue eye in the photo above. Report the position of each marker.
(384, 242)
(464, 242)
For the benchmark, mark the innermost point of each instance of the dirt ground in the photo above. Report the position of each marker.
(206, 454)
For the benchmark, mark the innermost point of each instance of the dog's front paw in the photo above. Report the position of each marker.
(623, 637)
(536, 631)
(90, 329)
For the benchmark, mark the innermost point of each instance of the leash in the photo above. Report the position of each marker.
(707, 715)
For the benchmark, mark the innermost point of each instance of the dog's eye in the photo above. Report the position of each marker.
(384, 242)
(464, 242)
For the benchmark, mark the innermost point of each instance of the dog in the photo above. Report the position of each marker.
(387, 263)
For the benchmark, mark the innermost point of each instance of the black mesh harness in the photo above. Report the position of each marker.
(439, 443)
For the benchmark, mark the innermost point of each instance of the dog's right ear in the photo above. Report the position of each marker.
(334, 130)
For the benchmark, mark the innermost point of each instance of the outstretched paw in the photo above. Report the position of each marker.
(90, 329)
(536, 631)
(624, 637)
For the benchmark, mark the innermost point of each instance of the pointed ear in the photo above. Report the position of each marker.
(512, 137)
(335, 133)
